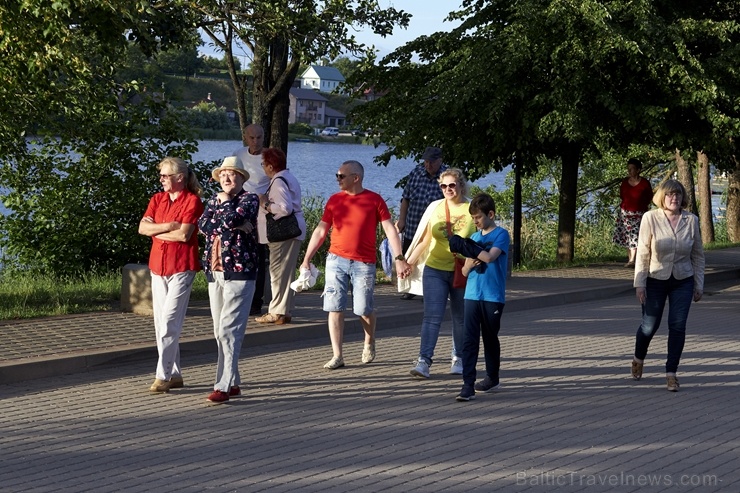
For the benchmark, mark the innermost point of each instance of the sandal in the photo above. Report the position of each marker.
(267, 318)
(272, 318)
(334, 363)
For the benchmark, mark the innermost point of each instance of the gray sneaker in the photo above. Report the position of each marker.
(421, 369)
(456, 366)
(487, 385)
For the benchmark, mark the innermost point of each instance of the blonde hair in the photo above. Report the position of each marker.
(459, 177)
(667, 187)
(178, 165)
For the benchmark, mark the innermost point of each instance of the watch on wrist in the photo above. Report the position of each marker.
(400, 257)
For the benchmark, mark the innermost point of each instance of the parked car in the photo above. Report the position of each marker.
(358, 132)
(330, 131)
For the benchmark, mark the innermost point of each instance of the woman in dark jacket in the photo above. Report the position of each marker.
(230, 263)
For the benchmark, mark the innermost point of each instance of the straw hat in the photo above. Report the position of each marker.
(231, 163)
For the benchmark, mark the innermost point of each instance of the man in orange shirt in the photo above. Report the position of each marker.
(352, 215)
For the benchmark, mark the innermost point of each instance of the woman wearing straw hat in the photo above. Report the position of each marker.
(230, 263)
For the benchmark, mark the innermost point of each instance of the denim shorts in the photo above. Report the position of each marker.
(340, 272)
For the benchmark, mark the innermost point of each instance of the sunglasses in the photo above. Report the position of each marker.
(340, 176)
(444, 186)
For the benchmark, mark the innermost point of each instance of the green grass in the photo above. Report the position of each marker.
(29, 296)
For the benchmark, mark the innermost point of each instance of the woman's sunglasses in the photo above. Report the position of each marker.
(444, 186)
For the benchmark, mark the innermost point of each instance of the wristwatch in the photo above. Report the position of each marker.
(400, 257)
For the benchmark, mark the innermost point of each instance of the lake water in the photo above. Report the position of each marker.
(314, 165)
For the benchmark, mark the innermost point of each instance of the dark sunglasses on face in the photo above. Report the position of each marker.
(444, 186)
(340, 176)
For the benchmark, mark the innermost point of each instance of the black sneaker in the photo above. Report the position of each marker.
(487, 385)
(467, 393)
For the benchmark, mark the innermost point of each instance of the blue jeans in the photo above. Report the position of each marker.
(437, 285)
(230, 304)
(339, 273)
(482, 319)
(679, 294)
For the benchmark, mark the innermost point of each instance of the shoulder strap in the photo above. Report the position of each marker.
(267, 192)
(449, 225)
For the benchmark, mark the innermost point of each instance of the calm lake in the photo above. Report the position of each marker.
(314, 164)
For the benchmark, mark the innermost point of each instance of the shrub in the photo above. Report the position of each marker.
(76, 204)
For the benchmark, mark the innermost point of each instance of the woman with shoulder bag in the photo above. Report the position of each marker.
(431, 248)
(282, 199)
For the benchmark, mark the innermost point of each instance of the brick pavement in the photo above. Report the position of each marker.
(50, 346)
(568, 418)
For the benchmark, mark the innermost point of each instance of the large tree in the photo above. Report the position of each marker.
(74, 193)
(280, 35)
(57, 58)
(561, 79)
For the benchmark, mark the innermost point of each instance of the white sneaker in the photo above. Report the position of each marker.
(421, 369)
(456, 366)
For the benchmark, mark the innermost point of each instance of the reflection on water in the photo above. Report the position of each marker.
(314, 164)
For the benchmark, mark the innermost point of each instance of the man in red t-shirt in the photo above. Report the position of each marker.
(352, 215)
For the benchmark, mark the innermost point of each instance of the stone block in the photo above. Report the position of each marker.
(136, 289)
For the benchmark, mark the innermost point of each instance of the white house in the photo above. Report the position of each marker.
(322, 79)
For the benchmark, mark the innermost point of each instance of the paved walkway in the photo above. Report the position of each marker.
(568, 418)
(39, 348)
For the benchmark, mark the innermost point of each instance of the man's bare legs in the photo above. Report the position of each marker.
(336, 332)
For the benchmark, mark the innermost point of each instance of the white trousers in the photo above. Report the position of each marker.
(230, 304)
(170, 298)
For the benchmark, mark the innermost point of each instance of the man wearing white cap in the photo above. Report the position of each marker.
(229, 224)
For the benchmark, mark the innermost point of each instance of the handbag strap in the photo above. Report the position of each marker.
(267, 192)
(449, 229)
(449, 224)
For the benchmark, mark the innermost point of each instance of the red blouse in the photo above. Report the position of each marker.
(635, 198)
(172, 257)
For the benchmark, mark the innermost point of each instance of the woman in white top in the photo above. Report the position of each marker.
(283, 198)
(669, 265)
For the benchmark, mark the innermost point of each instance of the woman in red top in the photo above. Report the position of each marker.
(636, 194)
(171, 221)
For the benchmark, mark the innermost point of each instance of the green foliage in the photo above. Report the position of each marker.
(178, 89)
(564, 85)
(300, 128)
(76, 203)
(206, 115)
(58, 58)
(313, 209)
(283, 36)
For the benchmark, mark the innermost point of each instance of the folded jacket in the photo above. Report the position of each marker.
(468, 248)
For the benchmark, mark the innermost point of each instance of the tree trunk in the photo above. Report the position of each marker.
(686, 177)
(567, 208)
(274, 73)
(261, 110)
(238, 81)
(704, 185)
(732, 213)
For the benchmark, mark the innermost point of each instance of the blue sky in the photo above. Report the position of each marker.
(427, 18)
